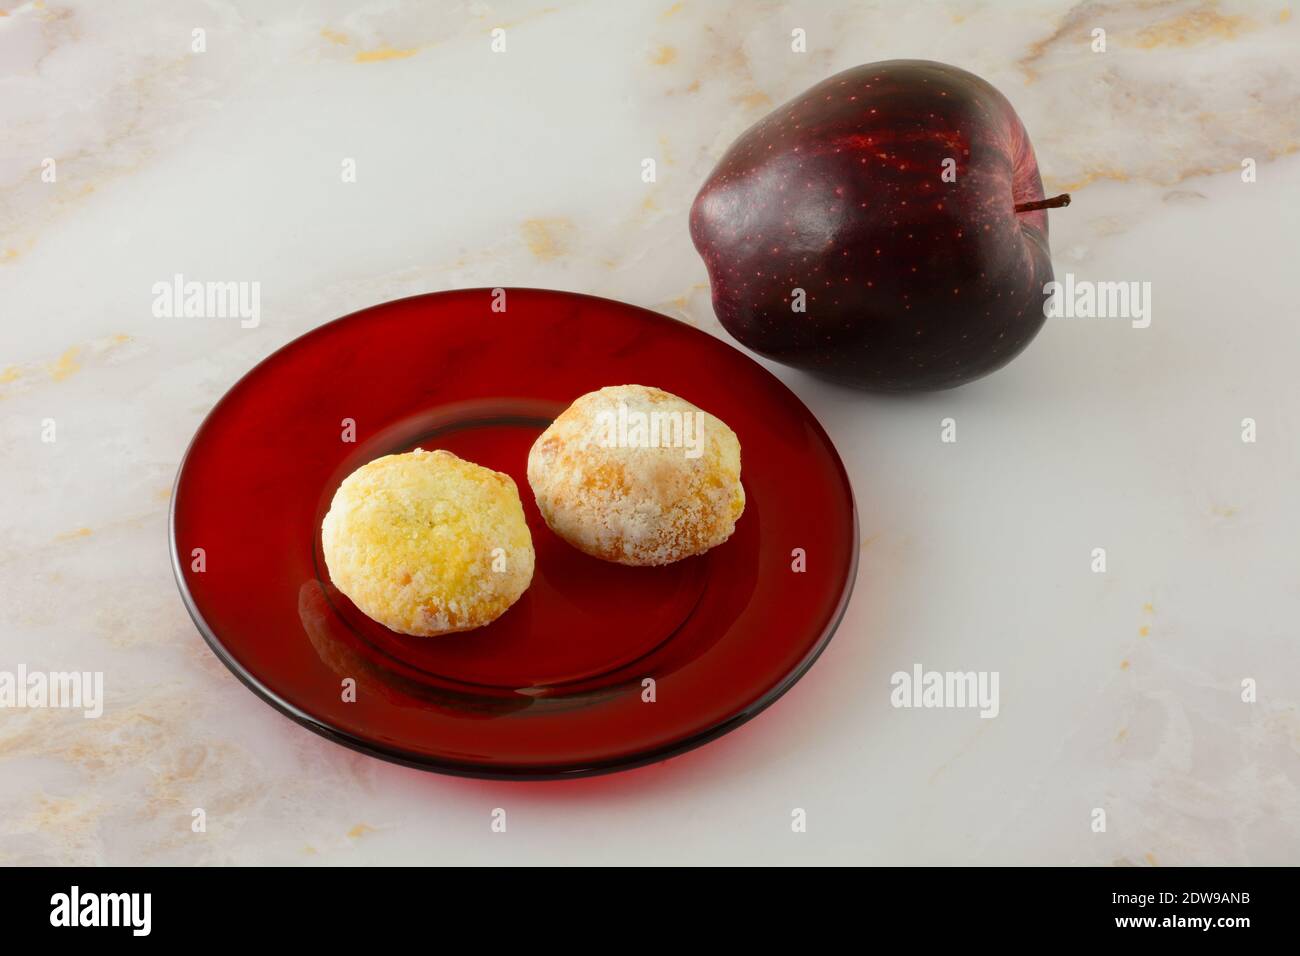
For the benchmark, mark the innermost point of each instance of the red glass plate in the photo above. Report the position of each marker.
(556, 687)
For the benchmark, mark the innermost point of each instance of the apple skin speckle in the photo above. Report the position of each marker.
(936, 283)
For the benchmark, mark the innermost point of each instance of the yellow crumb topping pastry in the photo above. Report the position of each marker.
(426, 543)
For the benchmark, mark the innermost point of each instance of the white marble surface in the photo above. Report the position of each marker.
(1118, 690)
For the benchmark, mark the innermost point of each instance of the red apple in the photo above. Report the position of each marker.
(900, 204)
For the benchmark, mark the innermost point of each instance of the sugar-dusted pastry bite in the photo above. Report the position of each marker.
(426, 543)
(637, 475)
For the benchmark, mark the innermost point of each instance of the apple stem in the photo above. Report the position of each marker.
(1053, 203)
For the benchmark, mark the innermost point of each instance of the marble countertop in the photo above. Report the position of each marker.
(1119, 690)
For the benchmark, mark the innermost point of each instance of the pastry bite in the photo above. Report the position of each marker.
(637, 475)
(426, 543)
